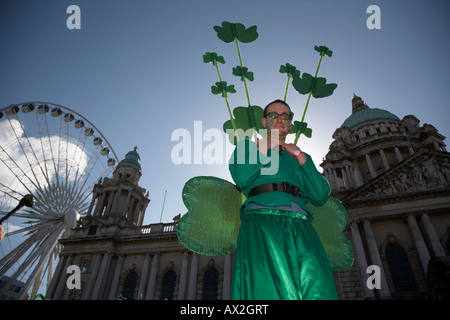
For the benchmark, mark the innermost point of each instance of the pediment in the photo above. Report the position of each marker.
(423, 172)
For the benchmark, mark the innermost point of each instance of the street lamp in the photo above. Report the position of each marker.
(27, 200)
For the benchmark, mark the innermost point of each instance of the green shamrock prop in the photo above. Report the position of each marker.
(211, 225)
(291, 72)
(222, 88)
(230, 32)
(203, 232)
(315, 86)
(245, 118)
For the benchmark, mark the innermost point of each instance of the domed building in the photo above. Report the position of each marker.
(393, 177)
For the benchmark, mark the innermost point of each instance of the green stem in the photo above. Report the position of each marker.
(297, 135)
(318, 66)
(287, 87)
(306, 107)
(224, 93)
(242, 65)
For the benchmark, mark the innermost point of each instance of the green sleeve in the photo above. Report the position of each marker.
(315, 187)
(245, 165)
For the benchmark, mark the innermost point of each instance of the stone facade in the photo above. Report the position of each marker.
(393, 178)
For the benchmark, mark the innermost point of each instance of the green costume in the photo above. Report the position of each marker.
(285, 245)
(279, 254)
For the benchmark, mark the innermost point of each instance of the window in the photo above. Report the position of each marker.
(210, 284)
(92, 230)
(76, 294)
(168, 285)
(401, 272)
(130, 285)
(85, 265)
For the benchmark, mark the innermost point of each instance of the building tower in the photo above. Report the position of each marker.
(393, 177)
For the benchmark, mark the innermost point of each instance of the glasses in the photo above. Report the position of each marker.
(283, 116)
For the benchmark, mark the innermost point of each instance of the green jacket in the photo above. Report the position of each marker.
(247, 170)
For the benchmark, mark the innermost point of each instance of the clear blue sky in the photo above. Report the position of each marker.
(135, 69)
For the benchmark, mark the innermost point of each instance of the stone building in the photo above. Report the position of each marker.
(119, 257)
(392, 175)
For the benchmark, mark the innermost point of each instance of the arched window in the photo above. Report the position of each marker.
(401, 272)
(447, 246)
(168, 285)
(130, 285)
(210, 284)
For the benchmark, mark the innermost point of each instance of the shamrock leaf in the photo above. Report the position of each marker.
(323, 50)
(211, 225)
(222, 88)
(211, 57)
(245, 118)
(289, 69)
(243, 73)
(231, 31)
(316, 85)
(301, 127)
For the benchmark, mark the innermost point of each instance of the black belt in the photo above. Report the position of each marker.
(270, 187)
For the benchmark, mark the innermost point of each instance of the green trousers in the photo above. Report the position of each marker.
(279, 256)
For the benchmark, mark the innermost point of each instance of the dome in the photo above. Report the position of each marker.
(132, 159)
(363, 115)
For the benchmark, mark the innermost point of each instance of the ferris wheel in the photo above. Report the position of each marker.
(55, 156)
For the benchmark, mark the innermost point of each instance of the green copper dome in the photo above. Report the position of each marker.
(362, 115)
(132, 159)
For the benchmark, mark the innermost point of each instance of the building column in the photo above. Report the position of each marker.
(373, 173)
(438, 250)
(358, 176)
(183, 275)
(361, 261)
(398, 154)
(226, 278)
(193, 278)
(112, 195)
(350, 176)
(144, 275)
(89, 212)
(87, 294)
(150, 294)
(419, 242)
(385, 162)
(116, 200)
(115, 281)
(100, 281)
(331, 179)
(99, 206)
(126, 209)
(376, 259)
(59, 279)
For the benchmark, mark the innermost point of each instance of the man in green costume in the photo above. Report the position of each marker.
(279, 254)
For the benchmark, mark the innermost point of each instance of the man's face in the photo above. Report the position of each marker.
(278, 118)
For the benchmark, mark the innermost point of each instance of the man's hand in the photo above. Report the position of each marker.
(265, 144)
(293, 149)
